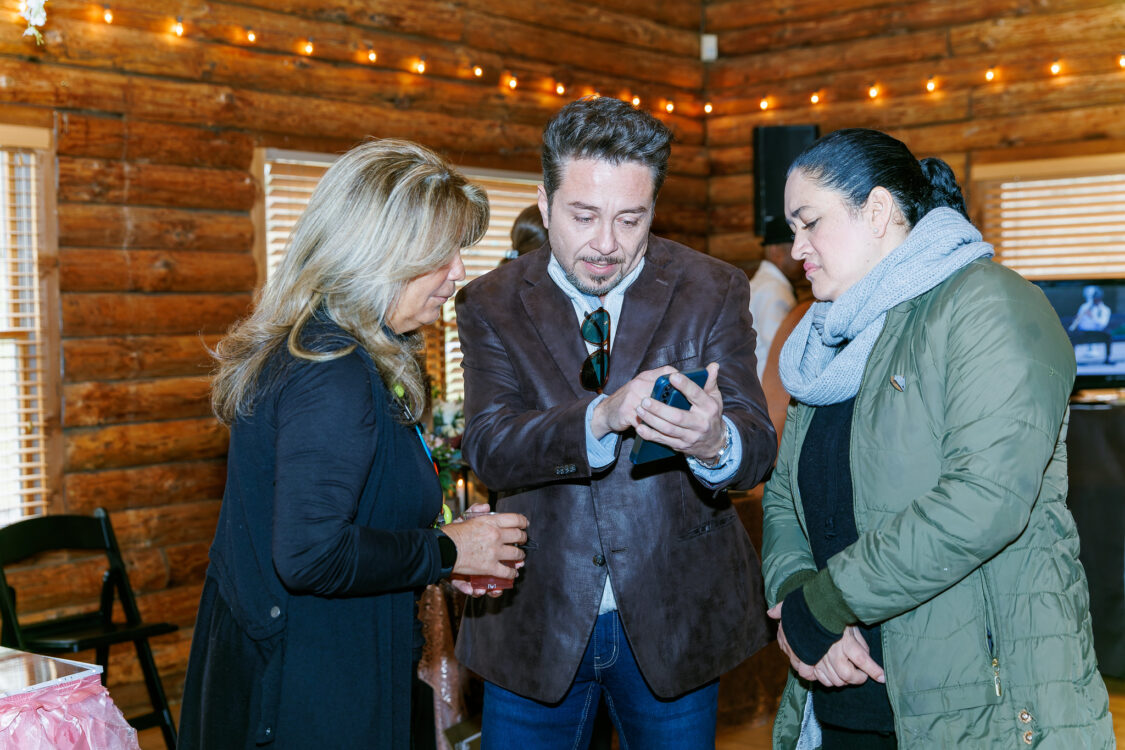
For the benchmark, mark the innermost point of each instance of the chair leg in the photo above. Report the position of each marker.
(101, 656)
(156, 692)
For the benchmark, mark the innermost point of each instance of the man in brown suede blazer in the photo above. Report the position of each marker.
(640, 586)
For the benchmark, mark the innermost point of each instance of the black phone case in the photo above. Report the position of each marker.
(663, 391)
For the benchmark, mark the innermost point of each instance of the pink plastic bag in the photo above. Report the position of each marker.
(74, 715)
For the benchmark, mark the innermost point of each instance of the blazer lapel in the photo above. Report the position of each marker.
(645, 305)
(553, 317)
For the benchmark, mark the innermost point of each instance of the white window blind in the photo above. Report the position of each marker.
(1055, 218)
(289, 179)
(23, 360)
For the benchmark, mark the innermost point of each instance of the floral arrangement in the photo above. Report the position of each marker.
(444, 438)
(36, 15)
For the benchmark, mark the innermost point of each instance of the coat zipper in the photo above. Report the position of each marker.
(995, 660)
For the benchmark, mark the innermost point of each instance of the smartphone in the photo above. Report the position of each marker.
(663, 391)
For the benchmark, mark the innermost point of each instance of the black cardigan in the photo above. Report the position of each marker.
(321, 547)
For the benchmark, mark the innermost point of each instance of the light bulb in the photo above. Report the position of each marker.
(930, 85)
(308, 48)
(478, 71)
(560, 88)
(251, 36)
(420, 66)
(707, 108)
(764, 103)
(989, 74)
(815, 98)
(512, 82)
(670, 107)
(1121, 60)
(178, 27)
(371, 56)
(636, 101)
(1055, 68)
(873, 91)
(107, 14)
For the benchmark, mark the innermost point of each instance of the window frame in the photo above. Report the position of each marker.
(41, 140)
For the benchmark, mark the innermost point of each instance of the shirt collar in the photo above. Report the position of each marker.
(588, 302)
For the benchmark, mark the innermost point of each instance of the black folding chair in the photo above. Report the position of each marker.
(89, 630)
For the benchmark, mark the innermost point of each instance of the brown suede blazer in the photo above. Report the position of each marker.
(686, 578)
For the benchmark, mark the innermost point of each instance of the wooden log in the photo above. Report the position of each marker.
(1102, 23)
(147, 568)
(112, 181)
(728, 160)
(177, 605)
(1064, 92)
(84, 225)
(187, 563)
(726, 15)
(680, 217)
(162, 485)
(742, 249)
(865, 53)
(122, 358)
(166, 525)
(684, 14)
(737, 217)
(100, 137)
(731, 189)
(138, 314)
(90, 270)
(1039, 128)
(100, 403)
(118, 446)
(682, 189)
(836, 26)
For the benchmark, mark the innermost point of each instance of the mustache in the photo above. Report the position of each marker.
(602, 259)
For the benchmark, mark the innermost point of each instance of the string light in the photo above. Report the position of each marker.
(1055, 68)
(251, 36)
(512, 82)
(420, 66)
(308, 48)
(670, 107)
(989, 74)
(478, 71)
(636, 101)
(1121, 60)
(178, 27)
(764, 103)
(560, 88)
(107, 14)
(372, 56)
(815, 98)
(708, 108)
(873, 91)
(930, 85)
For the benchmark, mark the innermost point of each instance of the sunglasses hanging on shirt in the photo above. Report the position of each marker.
(595, 330)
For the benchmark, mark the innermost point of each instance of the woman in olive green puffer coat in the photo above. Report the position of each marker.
(957, 375)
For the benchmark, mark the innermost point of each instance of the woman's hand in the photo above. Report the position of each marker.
(482, 543)
(848, 661)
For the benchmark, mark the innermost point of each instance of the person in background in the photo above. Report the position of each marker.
(1091, 320)
(918, 550)
(642, 586)
(774, 287)
(307, 632)
(528, 233)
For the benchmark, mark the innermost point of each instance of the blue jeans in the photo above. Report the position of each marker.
(608, 669)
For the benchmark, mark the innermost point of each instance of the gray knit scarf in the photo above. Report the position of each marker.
(823, 360)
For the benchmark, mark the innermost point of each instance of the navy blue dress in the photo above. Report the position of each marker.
(306, 633)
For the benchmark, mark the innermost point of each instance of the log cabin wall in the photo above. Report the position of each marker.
(786, 50)
(155, 136)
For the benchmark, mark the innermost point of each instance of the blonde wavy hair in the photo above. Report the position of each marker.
(386, 212)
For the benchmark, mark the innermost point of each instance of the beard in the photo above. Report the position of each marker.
(596, 286)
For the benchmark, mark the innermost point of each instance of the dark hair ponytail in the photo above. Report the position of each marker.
(855, 161)
(944, 190)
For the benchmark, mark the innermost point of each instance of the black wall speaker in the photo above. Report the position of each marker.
(775, 148)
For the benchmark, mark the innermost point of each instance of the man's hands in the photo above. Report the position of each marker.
(848, 661)
(697, 431)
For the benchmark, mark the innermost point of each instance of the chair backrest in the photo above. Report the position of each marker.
(24, 539)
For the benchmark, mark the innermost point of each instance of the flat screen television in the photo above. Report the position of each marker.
(1092, 312)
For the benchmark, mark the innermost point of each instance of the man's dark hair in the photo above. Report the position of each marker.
(606, 129)
(855, 161)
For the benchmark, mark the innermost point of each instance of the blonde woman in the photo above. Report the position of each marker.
(306, 634)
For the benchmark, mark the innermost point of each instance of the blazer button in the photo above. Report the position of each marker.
(599, 560)
(275, 612)
(1025, 716)
(1028, 736)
